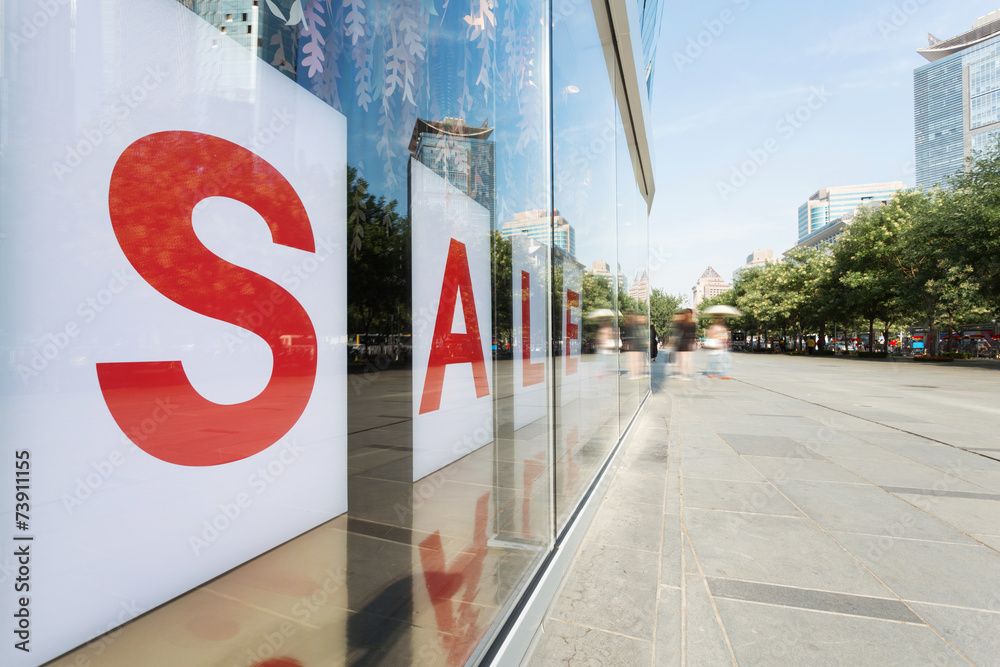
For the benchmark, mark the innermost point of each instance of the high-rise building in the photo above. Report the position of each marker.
(755, 259)
(825, 237)
(600, 268)
(956, 99)
(709, 286)
(603, 269)
(829, 204)
(462, 154)
(538, 225)
(258, 27)
(640, 287)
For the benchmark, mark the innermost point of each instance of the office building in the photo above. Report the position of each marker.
(709, 286)
(829, 204)
(603, 269)
(261, 28)
(955, 100)
(640, 287)
(461, 154)
(825, 237)
(600, 268)
(755, 259)
(545, 228)
(281, 396)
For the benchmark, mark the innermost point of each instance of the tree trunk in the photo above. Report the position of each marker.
(822, 336)
(951, 330)
(871, 334)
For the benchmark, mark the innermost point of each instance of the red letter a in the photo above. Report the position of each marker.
(454, 348)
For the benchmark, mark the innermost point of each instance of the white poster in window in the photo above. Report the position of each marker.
(530, 358)
(572, 332)
(173, 284)
(452, 322)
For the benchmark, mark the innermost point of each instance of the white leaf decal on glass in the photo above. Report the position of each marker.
(274, 9)
(295, 13)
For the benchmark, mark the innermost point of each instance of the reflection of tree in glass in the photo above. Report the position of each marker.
(503, 289)
(378, 268)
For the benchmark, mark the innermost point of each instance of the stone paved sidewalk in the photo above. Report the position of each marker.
(811, 511)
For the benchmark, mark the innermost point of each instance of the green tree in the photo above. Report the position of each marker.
(662, 307)
(378, 264)
(971, 227)
(867, 263)
(502, 286)
(598, 293)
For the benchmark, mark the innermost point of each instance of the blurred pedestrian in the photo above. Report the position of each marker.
(653, 343)
(717, 342)
(686, 332)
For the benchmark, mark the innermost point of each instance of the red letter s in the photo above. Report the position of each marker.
(155, 186)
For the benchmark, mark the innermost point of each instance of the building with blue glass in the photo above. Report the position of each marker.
(829, 204)
(956, 101)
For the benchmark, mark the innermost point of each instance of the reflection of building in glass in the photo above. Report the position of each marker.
(649, 30)
(709, 286)
(603, 269)
(255, 27)
(755, 259)
(955, 99)
(829, 204)
(600, 268)
(462, 154)
(536, 224)
(640, 287)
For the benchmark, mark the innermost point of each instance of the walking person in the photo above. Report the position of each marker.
(685, 343)
(717, 342)
(653, 343)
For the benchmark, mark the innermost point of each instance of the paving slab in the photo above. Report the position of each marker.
(764, 634)
(811, 512)
(781, 550)
(975, 633)
(865, 509)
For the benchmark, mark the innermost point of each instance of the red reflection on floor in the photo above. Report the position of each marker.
(213, 628)
(278, 662)
(460, 631)
(572, 467)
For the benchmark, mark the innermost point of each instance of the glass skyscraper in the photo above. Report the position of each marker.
(830, 204)
(956, 101)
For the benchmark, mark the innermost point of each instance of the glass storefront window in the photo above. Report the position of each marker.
(316, 320)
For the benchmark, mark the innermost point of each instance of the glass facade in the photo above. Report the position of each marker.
(287, 387)
(939, 121)
(833, 203)
(965, 84)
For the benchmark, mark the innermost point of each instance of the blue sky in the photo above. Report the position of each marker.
(845, 69)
